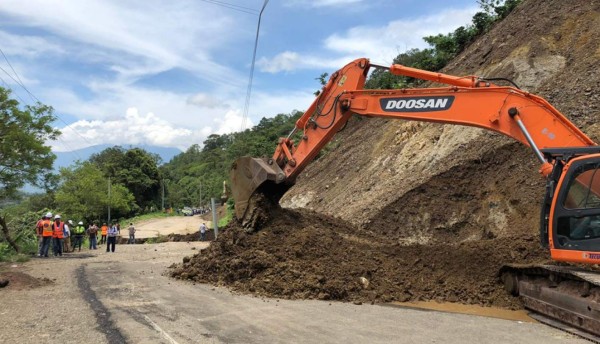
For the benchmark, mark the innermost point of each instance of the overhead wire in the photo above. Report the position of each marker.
(249, 90)
(11, 67)
(232, 6)
(36, 99)
(15, 93)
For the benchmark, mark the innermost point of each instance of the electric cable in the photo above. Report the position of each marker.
(33, 97)
(232, 6)
(249, 90)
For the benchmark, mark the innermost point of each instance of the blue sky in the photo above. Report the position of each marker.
(170, 73)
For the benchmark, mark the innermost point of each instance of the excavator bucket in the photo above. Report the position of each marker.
(249, 175)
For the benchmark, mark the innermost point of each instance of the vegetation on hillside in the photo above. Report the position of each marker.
(197, 175)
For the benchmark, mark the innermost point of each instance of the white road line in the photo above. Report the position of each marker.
(160, 330)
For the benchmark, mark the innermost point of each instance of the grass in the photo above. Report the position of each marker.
(225, 220)
(157, 239)
(144, 217)
(7, 254)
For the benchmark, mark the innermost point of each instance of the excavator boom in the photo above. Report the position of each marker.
(469, 100)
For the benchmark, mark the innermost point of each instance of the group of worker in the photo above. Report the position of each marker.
(67, 237)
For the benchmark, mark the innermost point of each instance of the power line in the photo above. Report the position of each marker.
(249, 91)
(33, 97)
(13, 91)
(232, 6)
(24, 102)
(11, 67)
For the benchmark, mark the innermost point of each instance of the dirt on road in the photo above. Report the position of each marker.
(306, 255)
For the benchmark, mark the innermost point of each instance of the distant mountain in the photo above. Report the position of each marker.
(64, 159)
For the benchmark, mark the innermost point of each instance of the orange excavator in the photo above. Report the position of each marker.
(570, 214)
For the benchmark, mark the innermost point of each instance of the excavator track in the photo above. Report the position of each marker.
(566, 297)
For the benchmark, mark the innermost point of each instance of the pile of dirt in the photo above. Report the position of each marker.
(18, 280)
(306, 255)
(210, 236)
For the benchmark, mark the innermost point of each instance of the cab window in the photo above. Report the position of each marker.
(584, 188)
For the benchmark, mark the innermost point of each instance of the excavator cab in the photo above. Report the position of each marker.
(573, 218)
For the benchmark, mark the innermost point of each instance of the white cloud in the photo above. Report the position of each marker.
(132, 129)
(205, 100)
(117, 33)
(379, 43)
(27, 46)
(231, 122)
(172, 123)
(285, 61)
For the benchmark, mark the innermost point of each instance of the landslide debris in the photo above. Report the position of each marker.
(301, 254)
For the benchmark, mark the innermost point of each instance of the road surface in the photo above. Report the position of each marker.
(167, 225)
(100, 297)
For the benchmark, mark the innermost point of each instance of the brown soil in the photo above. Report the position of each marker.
(433, 211)
(18, 280)
(302, 254)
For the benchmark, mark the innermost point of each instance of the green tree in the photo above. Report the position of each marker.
(198, 174)
(134, 168)
(24, 155)
(83, 194)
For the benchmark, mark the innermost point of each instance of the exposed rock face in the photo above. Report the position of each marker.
(416, 180)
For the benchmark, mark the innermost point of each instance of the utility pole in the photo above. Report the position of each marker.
(214, 216)
(163, 195)
(108, 200)
(200, 201)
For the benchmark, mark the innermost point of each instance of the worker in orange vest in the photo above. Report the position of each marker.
(104, 231)
(57, 234)
(46, 226)
(38, 233)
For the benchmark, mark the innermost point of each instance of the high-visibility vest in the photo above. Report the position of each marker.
(46, 228)
(104, 230)
(38, 227)
(79, 230)
(58, 230)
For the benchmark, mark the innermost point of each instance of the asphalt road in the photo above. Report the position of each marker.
(124, 297)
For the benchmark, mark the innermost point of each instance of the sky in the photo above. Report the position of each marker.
(170, 73)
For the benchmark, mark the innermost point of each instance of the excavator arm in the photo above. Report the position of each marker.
(469, 101)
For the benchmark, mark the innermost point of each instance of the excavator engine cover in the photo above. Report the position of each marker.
(247, 175)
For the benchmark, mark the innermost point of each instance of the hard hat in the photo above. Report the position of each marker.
(48, 214)
(71, 222)
(80, 223)
(57, 217)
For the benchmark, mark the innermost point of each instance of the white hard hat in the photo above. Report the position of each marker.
(57, 217)
(48, 214)
(80, 223)
(70, 221)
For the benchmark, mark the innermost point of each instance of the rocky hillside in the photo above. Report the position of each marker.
(427, 183)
